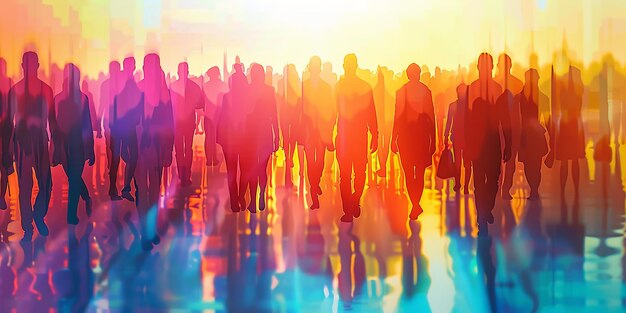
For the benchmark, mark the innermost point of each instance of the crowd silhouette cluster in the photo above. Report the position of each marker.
(250, 113)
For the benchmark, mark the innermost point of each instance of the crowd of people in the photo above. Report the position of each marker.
(250, 113)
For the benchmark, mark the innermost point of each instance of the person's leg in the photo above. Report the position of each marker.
(188, 149)
(456, 149)
(131, 165)
(507, 182)
(383, 155)
(210, 148)
(412, 183)
(479, 169)
(532, 170)
(345, 184)
(141, 185)
(467, 164)
(359, 162)
(155, 172)
(493, 170)
(232, 161)
(576, 177)
(25, 164)
(113, 145)
(44, 182)
(563, 177)
(180, 154)
(246, 166)
(264, 160)
(74, 171)
(312, 160)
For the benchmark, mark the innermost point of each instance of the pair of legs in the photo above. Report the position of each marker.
(509, 172)
(315, 154)
(39, 161)
(351, 159)
(210, 145)
(288, 130)
(414, 178)
(575, 166)
(232, 158)
(461, 163)
(383, 154)
(119, 144)
(486, 183)
(148, 184)
(254, 177)
(183, 144)
(77, 188)
(532, 171)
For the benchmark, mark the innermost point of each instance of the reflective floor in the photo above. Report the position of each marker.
(545, 256)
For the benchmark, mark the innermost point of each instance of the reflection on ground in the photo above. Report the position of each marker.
(538, 256)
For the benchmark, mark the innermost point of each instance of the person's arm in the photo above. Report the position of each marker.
(449, 120)
(505, 123)
(49, 111)
(88, 132)
(397, 119)
(430, 111)
(274, 120)
(372, 120)
(104, 104)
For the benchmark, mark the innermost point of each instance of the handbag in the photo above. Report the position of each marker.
(447, 167)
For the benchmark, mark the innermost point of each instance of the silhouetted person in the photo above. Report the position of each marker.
(384, 101)
(125, 117)
(317, 124)
(108, 91)
(6, 133)
(414, 134)
(31, 100)
(214, 91)
(570, 141)
(485, 120)
(289, 114)
(73, 140)
(511, 86)
(187, 97)
(230, 134)
(455, 130)
(155, 146)
(356, 115)
(263, 134)
(533, 144)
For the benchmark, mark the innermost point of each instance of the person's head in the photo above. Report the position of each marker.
(532, 77)
(485, 65)
(315, 66)
(114, 68)
(213, 73)
(350, 64)
(504, 63)
(30, 64)
(183, 70)
(85, 85)
(152, 65)
(461, 90)
(257, 74)
(129, 67)
(237, 81)
(413, 72)
(71, 75)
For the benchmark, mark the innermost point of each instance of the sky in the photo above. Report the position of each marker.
(393, 33)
